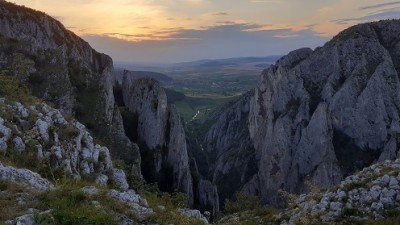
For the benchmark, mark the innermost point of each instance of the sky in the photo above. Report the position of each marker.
(164, 31)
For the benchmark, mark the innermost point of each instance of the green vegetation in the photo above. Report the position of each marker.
(243, 202)
(165, 206)
(71, 206)
(14, 90)
(247, 210)
(9, 206)
(194, 108)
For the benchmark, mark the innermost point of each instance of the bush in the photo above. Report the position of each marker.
(68, 132)
(13, 90)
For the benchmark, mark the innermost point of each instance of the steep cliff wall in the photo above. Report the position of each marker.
(230, 149)
(63, 69)
(159, 130)
(320, 115)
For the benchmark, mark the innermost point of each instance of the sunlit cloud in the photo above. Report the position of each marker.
(264, 1)
(387, 14)
(286, 35)
(220, 14)
(380, 5)
(199, 22)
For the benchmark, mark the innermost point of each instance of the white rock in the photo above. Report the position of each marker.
(388, 193)
(132, 199)
(383, 181)
(394, 183)
(39, 149)
(25, 177)
(194, 213)
(19, 145)
(5, 134)
(376, 206)
(375, 192)
(341, 194)
(128, 196)
(57, 151)
(90, 190)
(118, 178)
(85, 168)
(336, 207)
(23, 112)
(86, 154)
(102, 179)
(25, 220)
(43, 128)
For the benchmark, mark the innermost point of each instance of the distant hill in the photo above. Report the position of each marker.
(205, 64)
(162, 78)
(210, 63)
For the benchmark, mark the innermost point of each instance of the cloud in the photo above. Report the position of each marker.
(286, 35)
(195, 1)
(382, 15)
(380, 5)
(220, 14)
(219, 41)
(265, 1)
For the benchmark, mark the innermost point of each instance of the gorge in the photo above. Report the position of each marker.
(315, 118)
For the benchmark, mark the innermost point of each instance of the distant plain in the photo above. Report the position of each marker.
(199, 87)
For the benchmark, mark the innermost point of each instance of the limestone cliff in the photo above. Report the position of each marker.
(63, 69)
(320, 115)
(159, 130)
(229, 147)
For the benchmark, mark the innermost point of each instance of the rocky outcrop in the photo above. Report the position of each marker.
(63, 69)
(159, 128)
(369, 194)
(42, 135)
(24, 177)
(193, 213)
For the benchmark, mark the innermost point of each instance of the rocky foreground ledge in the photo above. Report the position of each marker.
(370, 194)
(47, 158)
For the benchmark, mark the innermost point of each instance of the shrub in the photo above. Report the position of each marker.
(44, 219)
(67, 132)
(13, 90)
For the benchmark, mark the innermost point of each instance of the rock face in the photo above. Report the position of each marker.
(318, 116)
(229, 146)
(315, 108)
(159, 128)
(207, 197)
(63, 69)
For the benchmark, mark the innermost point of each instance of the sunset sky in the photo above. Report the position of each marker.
(185, 30)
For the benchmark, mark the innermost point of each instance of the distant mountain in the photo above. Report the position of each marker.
(230, 62)
(243, 62)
